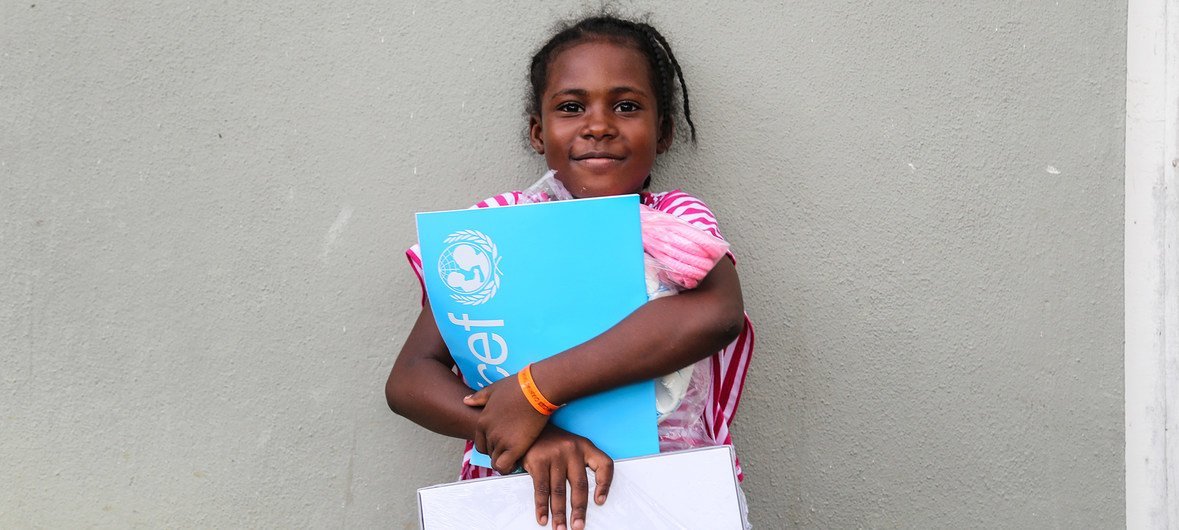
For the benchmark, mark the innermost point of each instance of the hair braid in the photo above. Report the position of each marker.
(662, 75)
(679, 74)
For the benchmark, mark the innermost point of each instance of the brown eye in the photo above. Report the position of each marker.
(626, 106)
(569, 106)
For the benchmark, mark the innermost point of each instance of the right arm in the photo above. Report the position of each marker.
(423, 389)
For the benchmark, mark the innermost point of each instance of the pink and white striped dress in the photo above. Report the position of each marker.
(729, 365)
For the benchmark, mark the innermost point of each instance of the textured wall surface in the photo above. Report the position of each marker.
(203, 210)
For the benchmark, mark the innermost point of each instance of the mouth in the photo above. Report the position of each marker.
(596, 155)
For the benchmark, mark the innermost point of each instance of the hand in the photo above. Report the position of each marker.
(508, 424)
(559, 457)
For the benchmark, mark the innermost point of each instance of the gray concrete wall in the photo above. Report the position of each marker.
(203, 210)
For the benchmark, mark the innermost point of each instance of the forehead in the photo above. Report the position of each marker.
(599, 63)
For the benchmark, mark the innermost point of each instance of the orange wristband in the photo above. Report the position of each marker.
(532, 394)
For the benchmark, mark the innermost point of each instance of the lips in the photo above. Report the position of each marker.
(598, 162)
(597, 155)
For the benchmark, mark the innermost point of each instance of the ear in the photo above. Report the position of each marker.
(535, 133)
(666, 135)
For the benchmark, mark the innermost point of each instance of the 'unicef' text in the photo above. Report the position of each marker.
(480, 344)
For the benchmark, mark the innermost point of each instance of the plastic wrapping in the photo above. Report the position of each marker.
(684, 254)
(678, 256)
(548, 188)
(682, 490)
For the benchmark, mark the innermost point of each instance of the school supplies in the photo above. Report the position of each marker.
(696, 488)
(511, 286)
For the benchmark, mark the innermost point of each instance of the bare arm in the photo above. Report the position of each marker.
(660, 337)
(423, 388)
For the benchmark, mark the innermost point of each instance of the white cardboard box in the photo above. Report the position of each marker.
(696, 488)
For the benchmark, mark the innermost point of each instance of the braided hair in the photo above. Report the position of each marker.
(660, 60)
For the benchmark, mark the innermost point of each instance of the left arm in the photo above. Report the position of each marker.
(658, 338)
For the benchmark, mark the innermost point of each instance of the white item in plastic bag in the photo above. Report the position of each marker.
(681, 490)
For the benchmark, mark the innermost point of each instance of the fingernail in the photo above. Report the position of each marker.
(578, 524)
(544, 519)
(469, 396)
(601, 499)
(560, 527)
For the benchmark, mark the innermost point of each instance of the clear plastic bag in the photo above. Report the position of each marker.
(684, 253)
(548, 188)
(678, 256)
(672, 491)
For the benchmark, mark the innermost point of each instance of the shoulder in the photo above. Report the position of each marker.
(686, 207)
(509, 198)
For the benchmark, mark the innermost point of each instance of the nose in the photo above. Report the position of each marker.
(599, 124)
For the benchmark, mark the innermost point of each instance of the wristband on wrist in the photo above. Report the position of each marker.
(532, 394)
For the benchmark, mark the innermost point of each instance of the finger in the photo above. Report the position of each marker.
(603, 467)
(508, 459)
(578, 493)
(494, 454)
(478, 399)
(540, 495)
(557, 497)
(503, 463)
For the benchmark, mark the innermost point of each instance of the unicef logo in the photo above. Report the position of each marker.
(469, 267)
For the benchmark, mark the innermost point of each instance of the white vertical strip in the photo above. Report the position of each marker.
(1151, 359)
(1170, 250)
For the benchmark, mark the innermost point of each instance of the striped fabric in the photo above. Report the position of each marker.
(729, 366)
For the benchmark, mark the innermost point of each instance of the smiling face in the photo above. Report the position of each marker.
(599, 119)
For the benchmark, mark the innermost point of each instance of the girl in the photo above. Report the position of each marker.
(602, 108)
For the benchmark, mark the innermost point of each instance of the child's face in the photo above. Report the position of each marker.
(599, 120)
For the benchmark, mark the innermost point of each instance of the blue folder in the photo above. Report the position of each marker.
(513, 285)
